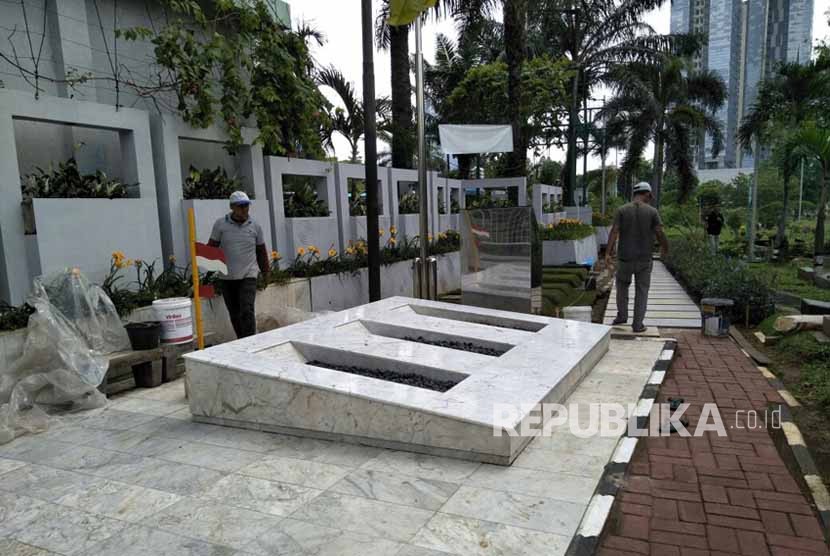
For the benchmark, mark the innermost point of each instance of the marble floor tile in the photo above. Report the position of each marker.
(210, 457)
(518, 510)
(181, 429)
(364, 516)
(182, 414)
(32, 448)
(84, 459)
(296, 471)
(473, 537)
(66, 530)
(17, 511)
(559, 486)
(298, 538)
(44, 483)
(169, 392)
(268, 497)
(584, 465)
(73, 434)
(238, 439)
(178, 478)
(323, 451)
(115, 420)
(426, 494)
(423, 466)
(11, 547)
(7, 465)
(412, 550)
(213, 522)
(118, 500)
(135, 442)
(136, 540)
(146, 406)
(565, 442)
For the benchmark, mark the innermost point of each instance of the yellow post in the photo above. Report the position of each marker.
(197, 303)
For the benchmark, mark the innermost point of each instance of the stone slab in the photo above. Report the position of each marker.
(267, 382)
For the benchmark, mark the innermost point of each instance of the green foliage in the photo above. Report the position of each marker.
(813, 358)
(785, 277)
(210, 184)
(66, 182)
(301, 200)
(705, 274)
(565, 230)
(236, 63)
(149, 285)
(599, 219)
(709, 193)
(13, 318)
(409, 204)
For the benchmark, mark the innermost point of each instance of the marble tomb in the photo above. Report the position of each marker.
(401, 373)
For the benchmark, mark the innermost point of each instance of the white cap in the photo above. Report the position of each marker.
(240, 198)
(642, 187)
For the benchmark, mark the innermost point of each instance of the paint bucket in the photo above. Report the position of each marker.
(714, 316)
(176, 318)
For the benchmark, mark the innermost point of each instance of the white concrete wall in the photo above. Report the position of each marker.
(409, 224)
(542, 195)
(353, 228)
(448, 190)
(580, 251)
(500, 183)
(207, 212)
(583, 214)
(133, 129)
(171, 166)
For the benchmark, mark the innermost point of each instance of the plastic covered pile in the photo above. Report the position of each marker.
(64, 359)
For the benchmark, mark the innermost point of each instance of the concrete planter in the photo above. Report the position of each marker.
(580, 251)
(320, 232)
(84, 233)
(336, 292)
(601, 233)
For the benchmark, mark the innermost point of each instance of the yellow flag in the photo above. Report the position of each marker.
(404, 12)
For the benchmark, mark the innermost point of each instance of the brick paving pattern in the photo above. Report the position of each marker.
(712, 495)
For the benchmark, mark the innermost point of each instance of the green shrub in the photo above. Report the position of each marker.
(565, 230)
(210, 184)
(599, 219)
(67, 182)
(409, 204)
(302, 202)
(716, 275)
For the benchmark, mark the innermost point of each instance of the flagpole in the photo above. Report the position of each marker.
(422, 163)
(197, 302)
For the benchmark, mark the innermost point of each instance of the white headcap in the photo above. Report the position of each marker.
(642, 187)
(240, 198)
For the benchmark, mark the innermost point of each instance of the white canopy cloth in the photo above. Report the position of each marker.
(474, 139)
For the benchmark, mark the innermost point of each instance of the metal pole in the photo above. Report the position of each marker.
(801, 189)
(753, 213)
(370, 150)
(422, 160)
(602, 204)
(585, 154)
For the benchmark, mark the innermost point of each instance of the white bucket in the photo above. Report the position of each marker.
(176, 318)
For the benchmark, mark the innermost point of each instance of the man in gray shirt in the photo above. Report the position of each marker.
(242, 241)
(636, 224)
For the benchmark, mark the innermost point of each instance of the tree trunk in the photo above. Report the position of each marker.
(781, 236)
(818, 244)
(403, 136)
(658, 164)
(465, 163)
(515, 39)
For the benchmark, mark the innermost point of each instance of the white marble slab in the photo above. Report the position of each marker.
(265, 382)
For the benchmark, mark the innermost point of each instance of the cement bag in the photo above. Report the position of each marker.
(62, 362)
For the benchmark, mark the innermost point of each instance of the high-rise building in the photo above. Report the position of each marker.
(735, 30)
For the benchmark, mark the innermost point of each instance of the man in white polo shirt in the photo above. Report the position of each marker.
(242, 241)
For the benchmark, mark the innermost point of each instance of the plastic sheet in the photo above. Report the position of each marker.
(63, 362)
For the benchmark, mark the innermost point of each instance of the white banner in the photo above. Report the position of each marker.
(474, 139)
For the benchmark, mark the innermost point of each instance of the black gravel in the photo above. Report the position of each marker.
(391, 376)
(461, 346)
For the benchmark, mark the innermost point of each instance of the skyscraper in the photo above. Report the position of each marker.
(735, 30)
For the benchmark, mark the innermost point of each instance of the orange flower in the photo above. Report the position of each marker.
(332, 253)
(275, 256)
(301, 251)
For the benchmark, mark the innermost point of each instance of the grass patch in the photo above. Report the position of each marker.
(785, 277)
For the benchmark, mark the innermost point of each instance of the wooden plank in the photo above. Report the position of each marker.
(759, 357)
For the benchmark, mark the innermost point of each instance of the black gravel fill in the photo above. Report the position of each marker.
(461, 346)
(391, 376)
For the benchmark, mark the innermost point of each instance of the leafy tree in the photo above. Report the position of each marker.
(664, 103)
(813, 140)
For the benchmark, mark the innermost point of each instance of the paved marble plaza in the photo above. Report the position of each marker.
(140, 478)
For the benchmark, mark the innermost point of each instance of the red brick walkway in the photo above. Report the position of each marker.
(711, 495)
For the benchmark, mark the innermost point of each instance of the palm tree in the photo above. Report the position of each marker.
(785, 100)
(813, 141)
(348, 121)
(663, 103)
(597, 36)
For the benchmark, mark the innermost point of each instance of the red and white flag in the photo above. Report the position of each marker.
(211, 259)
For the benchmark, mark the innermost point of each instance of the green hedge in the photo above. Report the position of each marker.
(705, 274)
(566, 230)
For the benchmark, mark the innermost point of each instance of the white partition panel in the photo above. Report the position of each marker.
(542, 195)
(82, 227)
(353, 228)
(399, 182)
(167, 133)
(500, 183)
(292, 233)
(449, 190)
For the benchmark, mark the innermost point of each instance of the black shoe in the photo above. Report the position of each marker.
(618, 321)
(639, 330)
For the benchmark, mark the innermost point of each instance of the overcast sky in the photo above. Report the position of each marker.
(339, 20)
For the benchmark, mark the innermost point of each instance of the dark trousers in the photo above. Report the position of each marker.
(641, 272)
(240, 296)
